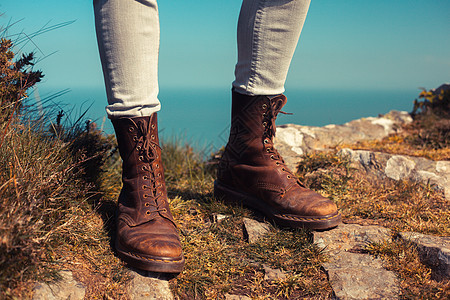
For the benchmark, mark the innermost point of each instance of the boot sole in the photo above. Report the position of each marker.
(230, 195)
(152, 264)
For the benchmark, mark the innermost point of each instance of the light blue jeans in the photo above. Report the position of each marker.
(128, 39)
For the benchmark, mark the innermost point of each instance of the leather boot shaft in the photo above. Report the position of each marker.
(143, 195)
(251, 134)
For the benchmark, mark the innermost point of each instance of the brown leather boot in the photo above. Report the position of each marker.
(253, 173)
(147, 237)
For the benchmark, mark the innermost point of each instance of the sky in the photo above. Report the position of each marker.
(383, 44)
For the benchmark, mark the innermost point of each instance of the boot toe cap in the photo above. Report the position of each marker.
(310, 203)
(150, 240)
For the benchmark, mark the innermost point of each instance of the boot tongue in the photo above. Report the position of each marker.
(144, 127)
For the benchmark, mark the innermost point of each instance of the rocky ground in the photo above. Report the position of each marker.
(352, 272)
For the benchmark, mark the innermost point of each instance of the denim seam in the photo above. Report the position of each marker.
(256, 46)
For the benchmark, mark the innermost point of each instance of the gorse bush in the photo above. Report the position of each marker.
(432, 118)
(16, 78)
(435, 101)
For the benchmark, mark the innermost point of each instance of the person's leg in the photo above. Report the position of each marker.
(128, 39)
(251, 171)
(267, 35)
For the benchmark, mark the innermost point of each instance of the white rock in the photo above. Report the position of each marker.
(362, 156)
(425, 176)
(398, 167)
(148, 286)
(66, 288)
(386, 123)
(255, 230)
(443, 167)
(290, 136)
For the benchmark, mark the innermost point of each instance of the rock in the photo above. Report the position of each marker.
(236, 297)
(401, 167)
(215, 218)
(356, 275)
(347, 237)
(148, 285)
(295, 140)
(273, 274)
(434, 250)
(66, 288)
(254, 230)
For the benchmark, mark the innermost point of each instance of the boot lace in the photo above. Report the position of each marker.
(147, 146)
(269, 117)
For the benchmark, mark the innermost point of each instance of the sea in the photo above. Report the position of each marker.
(201, 116)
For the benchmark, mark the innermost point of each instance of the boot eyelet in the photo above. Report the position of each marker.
(283, 169)
(266, 141)
(145, 177)
(153, 126)
(141, 158)
(159, 174)
(131, 129)
(148, 212)
(264, 106)
(153, 136)
(272, 157)
(264, 124)
(144, 187)
(138, 148)
(145, 196)
(277, 163)
(147, 204)
(157, 166)
(288, 177)
(135, 138)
